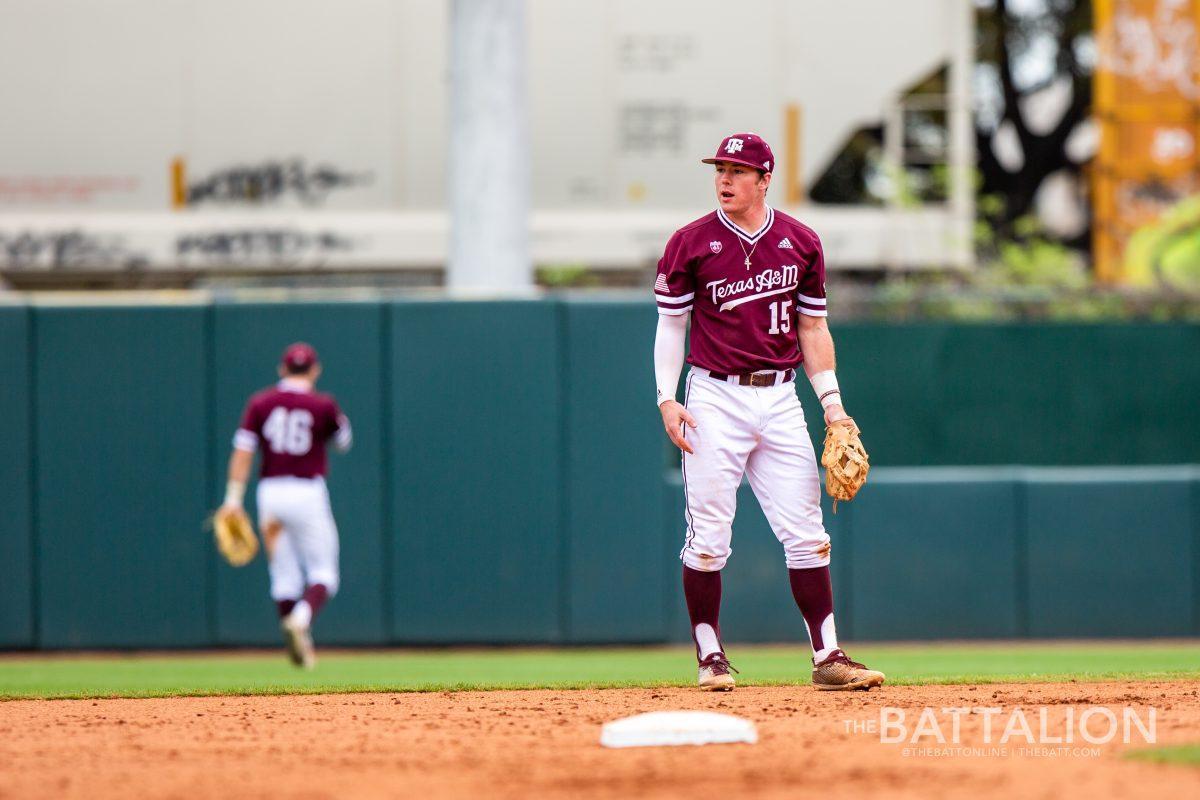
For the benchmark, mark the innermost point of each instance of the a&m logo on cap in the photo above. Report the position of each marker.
(747, 149)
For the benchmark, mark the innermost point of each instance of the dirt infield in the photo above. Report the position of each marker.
(545, 744)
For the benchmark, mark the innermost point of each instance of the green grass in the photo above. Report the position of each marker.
(157, 675)
(1188, 754)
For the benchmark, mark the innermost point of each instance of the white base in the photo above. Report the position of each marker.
(669, 728)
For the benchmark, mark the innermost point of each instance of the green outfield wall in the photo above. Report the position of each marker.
(122, 476)
(510, 481)
(17, 610)
(476, 532)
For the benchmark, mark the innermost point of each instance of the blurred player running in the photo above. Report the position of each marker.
(293, 422)
(752, 280)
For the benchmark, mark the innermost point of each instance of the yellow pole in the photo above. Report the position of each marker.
(792, 120)
(1196, 101)
(1104, 244)
(178, 183)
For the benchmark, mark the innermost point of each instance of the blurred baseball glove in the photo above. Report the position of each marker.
(235, 536)
(844, 460)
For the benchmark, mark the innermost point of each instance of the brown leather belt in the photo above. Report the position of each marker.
(755, 378)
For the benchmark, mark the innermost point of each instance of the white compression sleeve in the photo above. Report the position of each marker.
(668, 354)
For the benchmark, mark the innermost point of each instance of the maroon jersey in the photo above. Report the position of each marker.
(743, 317)
(293, 424)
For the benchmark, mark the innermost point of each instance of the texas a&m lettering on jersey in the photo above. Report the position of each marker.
(294, 424)
(744, 290)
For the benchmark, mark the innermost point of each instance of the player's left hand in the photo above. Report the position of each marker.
(835, 413)
(234, 535)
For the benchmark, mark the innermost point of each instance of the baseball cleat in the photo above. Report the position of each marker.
(837, 673)
(299, 643)
(713, 674)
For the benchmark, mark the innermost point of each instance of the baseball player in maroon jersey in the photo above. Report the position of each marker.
(292, 423)
(752, 280)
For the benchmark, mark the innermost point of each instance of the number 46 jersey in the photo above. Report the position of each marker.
(293, 425)
(744, 290)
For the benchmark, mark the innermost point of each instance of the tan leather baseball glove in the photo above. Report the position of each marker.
(235, 536)
(844, 460)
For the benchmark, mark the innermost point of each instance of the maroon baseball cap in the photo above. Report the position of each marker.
(299, 356)
(747, 149)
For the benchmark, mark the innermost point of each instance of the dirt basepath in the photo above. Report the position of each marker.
(545, 744)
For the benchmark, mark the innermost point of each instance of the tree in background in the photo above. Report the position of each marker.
(1033, 89)
(1027, 47)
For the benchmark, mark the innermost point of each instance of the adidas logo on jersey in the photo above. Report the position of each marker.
(660, 285)
(786, 244)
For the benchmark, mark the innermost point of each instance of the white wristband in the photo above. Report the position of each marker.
(234, 492)
(825, 384)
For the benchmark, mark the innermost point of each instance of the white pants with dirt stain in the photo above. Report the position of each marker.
(761, 433)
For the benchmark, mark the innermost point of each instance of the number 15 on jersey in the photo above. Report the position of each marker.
(781, 322)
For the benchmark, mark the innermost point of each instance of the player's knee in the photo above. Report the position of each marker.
(809, 554)
(287, 589)
(705, 562)
(327, 579)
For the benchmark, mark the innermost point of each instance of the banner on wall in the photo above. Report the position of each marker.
(1147, 173)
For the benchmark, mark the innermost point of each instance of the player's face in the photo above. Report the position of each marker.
(739, 188)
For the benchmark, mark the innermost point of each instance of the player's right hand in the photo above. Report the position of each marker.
(674, 417)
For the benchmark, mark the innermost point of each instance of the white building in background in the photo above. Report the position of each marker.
(282, 135)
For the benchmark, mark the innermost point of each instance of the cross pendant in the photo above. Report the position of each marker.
(747, 262)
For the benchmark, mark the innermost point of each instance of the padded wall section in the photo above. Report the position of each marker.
(121, 474)
(1110, 552)
(935, 555)
(614, 469)
(477, 454)
(1044, 394)
(16, 538)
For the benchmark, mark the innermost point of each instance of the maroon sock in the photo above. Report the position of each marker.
(702, 590)
(285, 607)
(813, 591)
(316, 595)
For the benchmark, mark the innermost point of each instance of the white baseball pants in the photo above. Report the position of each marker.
(761, 433)
(306, 551)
